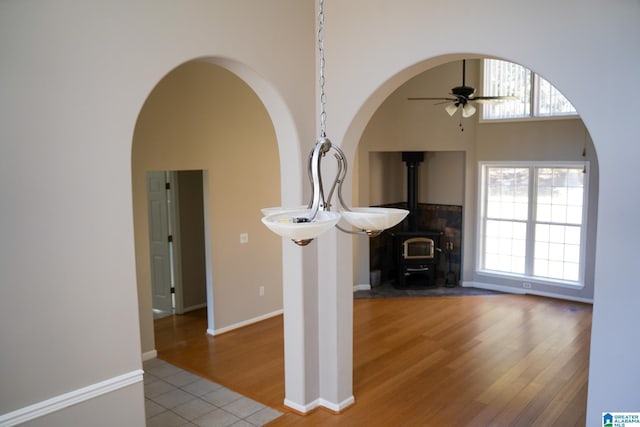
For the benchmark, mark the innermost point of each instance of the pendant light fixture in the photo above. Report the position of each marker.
(303, 224)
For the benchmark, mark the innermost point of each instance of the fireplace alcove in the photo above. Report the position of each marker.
(428, 264)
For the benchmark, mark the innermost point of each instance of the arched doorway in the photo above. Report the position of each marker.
(399, 125)
(203, 117)
(396, 126)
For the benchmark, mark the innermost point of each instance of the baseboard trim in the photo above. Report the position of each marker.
(362, 287)
(509, 289)
(229, 328)
(302, 409)
(74, 397)
(492, 287)
(337, 407)
(334, 407)
(148, 355)
(194, 307)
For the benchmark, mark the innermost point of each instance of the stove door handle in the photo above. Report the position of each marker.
(414, 270)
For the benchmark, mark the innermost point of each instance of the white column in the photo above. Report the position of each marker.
(300, 326)
(318, 323)
(335, 320)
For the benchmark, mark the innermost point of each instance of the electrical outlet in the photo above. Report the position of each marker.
(244, 237)
(526, 285)
(261, 291)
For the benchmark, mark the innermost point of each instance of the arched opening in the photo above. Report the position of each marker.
(387, 125)
(448, 185)
(203, 117)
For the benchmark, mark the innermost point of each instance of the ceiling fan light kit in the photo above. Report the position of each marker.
(462, 97)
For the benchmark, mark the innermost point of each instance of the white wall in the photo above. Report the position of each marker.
(99, 411)
(73, 78)
(442, 178)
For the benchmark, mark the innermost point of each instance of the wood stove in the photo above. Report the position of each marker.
(416, 259)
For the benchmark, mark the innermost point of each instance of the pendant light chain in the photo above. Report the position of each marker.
(323, 96)
(302, 226)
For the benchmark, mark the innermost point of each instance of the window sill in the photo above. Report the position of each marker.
(530, 280)
(529, 119)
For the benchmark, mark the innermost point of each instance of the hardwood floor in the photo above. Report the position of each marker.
(498, 360)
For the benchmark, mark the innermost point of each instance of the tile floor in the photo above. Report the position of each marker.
(175, 398)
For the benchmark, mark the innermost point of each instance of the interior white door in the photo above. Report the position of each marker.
(159, 246)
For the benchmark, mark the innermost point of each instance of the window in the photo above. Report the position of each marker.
(536, 96)
(533, 220)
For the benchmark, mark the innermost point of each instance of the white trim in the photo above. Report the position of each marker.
(148, 355)
(244, 323)
(174, 221)
(193, 307)
(336, 407)
(362, 287)
(527, 119)
(535, 280)
(207, 253)
(493, 287)
(516, 291)
(303, 409)
(74, 397)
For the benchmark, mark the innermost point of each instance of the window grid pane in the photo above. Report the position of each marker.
(550, 102)
(556, 239)
(536, 96)
(502, 78)
(558, 220)
(507, 193)
(560, 194)
(505, 246)
(556, 253)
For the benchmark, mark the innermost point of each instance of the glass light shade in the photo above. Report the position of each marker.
(451, 109)
(468, 110)
(282, 224)
(281, 209)
(374, 219)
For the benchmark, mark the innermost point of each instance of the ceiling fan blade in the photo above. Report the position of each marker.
(446, 102)
(432, 99)
(468, 110)
(487, 101)
(497, 97)
(493, 100)
(451, 109)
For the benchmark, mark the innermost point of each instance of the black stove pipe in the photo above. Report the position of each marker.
(413, 160)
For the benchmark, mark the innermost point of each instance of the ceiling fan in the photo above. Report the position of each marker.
(463, 96)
